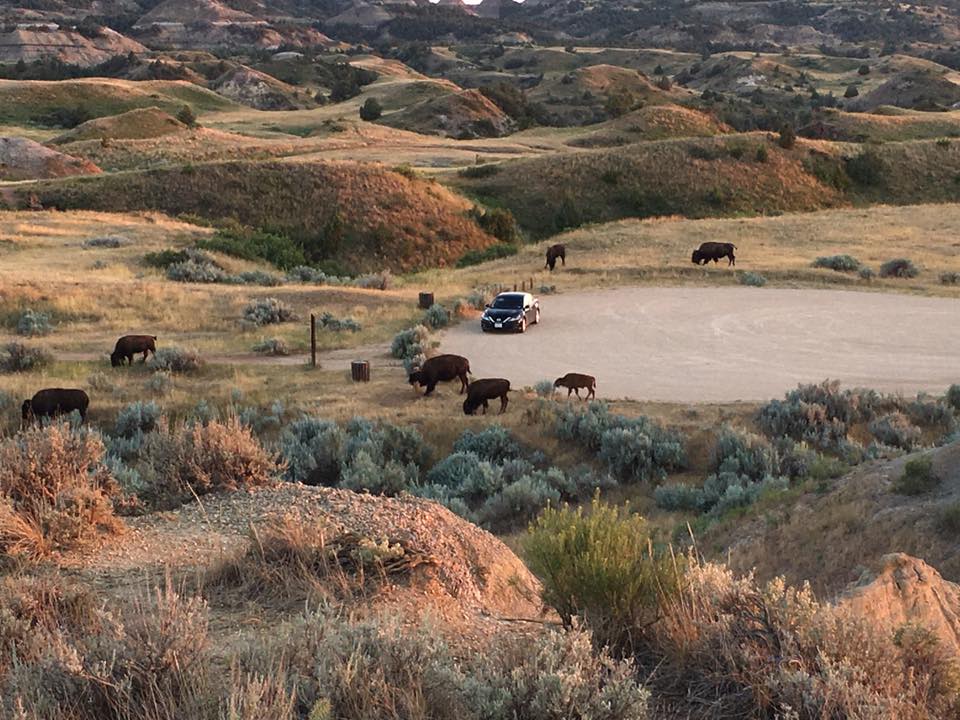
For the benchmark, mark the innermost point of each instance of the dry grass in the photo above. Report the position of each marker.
(54, 494)
(728, 647)
(293, 559)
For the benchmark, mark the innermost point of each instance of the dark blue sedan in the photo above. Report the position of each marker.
(511, 311)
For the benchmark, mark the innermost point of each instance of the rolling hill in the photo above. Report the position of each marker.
(361, 217)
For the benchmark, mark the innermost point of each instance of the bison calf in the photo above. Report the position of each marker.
(53, 402)
(442, 368)
(573, 382)
(481, 391)
(553, 253)
(714, 251)
(130, 345)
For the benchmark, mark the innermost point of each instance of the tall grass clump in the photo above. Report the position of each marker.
(18, 358)
(249, 244)
(749, 650)
(55, 492)
(899, 268)
(334, 324)
(149, 658)
(137, 418)
(177, 463)
(267, 311)
(354, 670)
(895, 430)
(838, 263)
(601, 568)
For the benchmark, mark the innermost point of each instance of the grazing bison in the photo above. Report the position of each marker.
(442, 368)
(480, 391)
(130, 345)
(554, 252)
(574, 381)
(53, 402)
(714, 251)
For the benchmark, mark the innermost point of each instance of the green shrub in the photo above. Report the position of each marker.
(679, 497)
(436, 317)
(788, 136)
(601, 568)
(839, 263)
(23, 358)
(192, 271)
(329, 322)
(159, 383)
(900, 268)
(268, 311)
(163, 259)
(918, 477)
(950, 278)
(411, 346)
(744, 454)
(500, 223)
(948, 520)
(953, 397)
(544, 388)
(175, 360)
(895, 430)
(137, 418)
(865, 273)
(494, 252)
(111, 242)
(371, 110)
(867, 168)
(494, 443)
(752, 279)
(272, 346)
(33, 323)
(250, 244)
(479, 171)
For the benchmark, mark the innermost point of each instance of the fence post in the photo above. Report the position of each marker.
(313, 340)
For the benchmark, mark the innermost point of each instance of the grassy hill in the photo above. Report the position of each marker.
(466, 114)
(694, 178)
(66, 103)
(362, 217)
(132, 125)
(884, 124)
(654, 122)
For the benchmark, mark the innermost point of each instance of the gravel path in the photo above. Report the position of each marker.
(726, 344)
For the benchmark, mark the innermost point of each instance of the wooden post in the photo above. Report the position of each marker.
(360, 371)
(313, 340)
(514, 287)
(523, 285)
(426, 300)
(531, 284)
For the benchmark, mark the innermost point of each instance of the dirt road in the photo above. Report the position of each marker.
(726, 344)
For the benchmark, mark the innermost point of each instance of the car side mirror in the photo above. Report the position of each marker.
(487, 306)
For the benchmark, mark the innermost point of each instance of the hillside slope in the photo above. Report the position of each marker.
(132, 125)
(695, 178)
(42, 102)
(830, 537)
(462, 115)
(22, 159)
(363, 217)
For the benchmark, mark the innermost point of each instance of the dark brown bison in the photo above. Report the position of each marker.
(442, 368)
(574, 381)
(714, 251)
(481, 391)
(554, 252)
(130, 345)
(53, 402)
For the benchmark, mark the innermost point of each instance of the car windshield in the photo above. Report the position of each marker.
(508, 302)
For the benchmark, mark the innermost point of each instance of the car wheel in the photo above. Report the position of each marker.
(536, 317)
(522, 325)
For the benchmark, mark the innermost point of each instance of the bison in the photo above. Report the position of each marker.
(554, 252)
(130, 345)
(574, 381)
(480, 391)
(714, 251)
(442, 368)
(52, 402)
